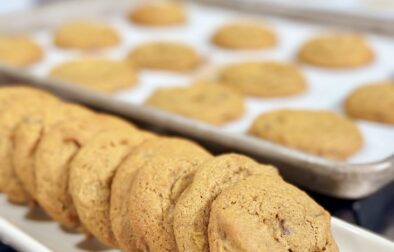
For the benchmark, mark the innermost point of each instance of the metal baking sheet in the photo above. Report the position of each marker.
(363, 174)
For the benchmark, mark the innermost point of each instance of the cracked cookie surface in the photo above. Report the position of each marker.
(244, 35)
(210, 103)
(318, 132)
(170, 56)
(27, 136)
(156, 188)
(336, 51)
(52, 162)
(103, 75)
(19, 51)
(158, 14)
(91, 174)
(191, 214)
(264, 79)
(85, 35)
(374, 102)
(264, 213)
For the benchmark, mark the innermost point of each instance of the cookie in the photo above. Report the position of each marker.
(374, 102)
(210, 103)
(263, 213)
(264, 79)
(91, 174)
(158, 14)
(19, 51)
(244, 35)
(169, 56)
(321, 133)
(86, 35)
(20, 103)
(156, 188)
(336, 51)
(52, 162)
(27, 136)
(102, 75)
(191, 212)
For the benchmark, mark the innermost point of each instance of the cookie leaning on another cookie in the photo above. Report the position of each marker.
(265, 79)
(264, 213)
(19, 50)
(158, 14)
(191, 214)
(210, 102)
(85, 35)
(156, 189)
(244, 35)
(169, 56)
(374, 102)
(27, 136)
(91, 174)
(53, 156)
(336, 51)
(20, 104)
(322, 133)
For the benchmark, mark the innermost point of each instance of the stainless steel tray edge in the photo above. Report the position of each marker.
(338, 179)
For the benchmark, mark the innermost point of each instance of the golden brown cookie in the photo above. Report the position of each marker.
(86, 35)
(27, 136)
(244, 35)
(158, 14)
(91, 174)
(191, 213)
(19, 51)
(374, 102)
(322, 133)
(265, 79)
(164, 56)
(102, 75)
(156, 188)
(211, 103)
(263, 213)
(336, 51)
(21, 102)
(52, 162)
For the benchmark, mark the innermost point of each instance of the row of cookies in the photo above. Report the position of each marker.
(331, 50)
(135, 190)
(319, 132)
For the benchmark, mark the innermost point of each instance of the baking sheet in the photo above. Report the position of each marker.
(327, 88)
(33, 232)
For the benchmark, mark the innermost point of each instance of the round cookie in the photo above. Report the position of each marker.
(336, 51)
(191, 212)
(156, 188)
(52, 162)
(91, 174)
(210, 103)
(158, 14)
(86, 35)
(102, 75)
(263, 213)
(322, 133)
(14, 108)
(244, 35)
(264, 79)
(374, 102)
(19, 51)
(169, 56)
(27, 136)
